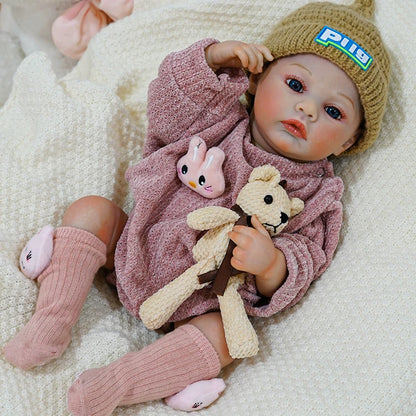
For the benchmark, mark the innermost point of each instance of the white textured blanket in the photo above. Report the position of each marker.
(349, 348)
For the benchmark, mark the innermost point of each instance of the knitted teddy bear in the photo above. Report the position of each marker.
(263, 196)
(59, 28)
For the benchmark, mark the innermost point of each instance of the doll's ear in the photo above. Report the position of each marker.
(346, 145)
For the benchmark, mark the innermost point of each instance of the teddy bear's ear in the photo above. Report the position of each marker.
(265, 173)
(296, 206)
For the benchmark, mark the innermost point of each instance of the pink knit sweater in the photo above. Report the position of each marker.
(188, 98)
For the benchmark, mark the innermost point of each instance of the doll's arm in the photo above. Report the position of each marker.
(187, 97)
(235, 54)
(308, 252)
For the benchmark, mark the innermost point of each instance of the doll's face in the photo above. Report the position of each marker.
(305, 108)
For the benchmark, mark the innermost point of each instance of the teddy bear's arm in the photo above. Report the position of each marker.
(210, 217)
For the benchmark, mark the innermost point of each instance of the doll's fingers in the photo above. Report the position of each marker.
(239, 237)
(262, 54)
(256, 59)
(255, 64)
(248, 56)
(241, 54)
(265, 51)
(237, 264)
(239, 254)
(259, 226)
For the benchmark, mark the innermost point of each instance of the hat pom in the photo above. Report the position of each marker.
(365, 7)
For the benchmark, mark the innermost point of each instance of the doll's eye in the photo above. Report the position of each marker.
(333, 112)
(201, 180)
(284, 218)
(29, 255)
(184, 170)
(294, 84)
(268, 199)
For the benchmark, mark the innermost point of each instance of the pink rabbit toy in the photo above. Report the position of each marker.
(72, 31)
(201, 170)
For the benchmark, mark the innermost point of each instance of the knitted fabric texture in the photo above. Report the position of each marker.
(262, 196)
(187, 99)
(64, 286)
(346, 349)
(157, 371)
(297, 33)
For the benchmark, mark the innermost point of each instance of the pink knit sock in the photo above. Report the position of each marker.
(157, 371)
(64, 286)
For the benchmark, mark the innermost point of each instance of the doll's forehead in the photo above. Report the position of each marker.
(309, 61)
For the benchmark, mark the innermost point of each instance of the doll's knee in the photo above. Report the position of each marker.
(97, 215)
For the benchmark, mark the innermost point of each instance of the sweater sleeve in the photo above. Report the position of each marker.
(308, 251)
(188, 98)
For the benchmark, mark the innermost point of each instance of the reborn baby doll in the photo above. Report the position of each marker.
(319, 85)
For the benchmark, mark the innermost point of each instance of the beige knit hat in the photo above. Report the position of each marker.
(346, 36)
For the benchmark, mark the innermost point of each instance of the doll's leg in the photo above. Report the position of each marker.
(85, 242)
(192, 352)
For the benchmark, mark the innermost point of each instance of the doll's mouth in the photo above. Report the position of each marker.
(295, 127)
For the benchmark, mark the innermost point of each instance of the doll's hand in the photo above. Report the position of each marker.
(256, 254)
(235, 54)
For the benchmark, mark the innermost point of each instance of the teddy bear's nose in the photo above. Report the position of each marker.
(284, 218)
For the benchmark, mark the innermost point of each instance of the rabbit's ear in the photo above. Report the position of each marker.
(213, 160)
(191, 162)
(196, 150)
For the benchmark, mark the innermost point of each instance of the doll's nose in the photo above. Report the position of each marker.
(192, 184)
(308, 107)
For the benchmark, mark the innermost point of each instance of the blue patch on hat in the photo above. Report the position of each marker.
(328, 36)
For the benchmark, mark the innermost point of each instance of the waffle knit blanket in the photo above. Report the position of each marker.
(348, 348)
